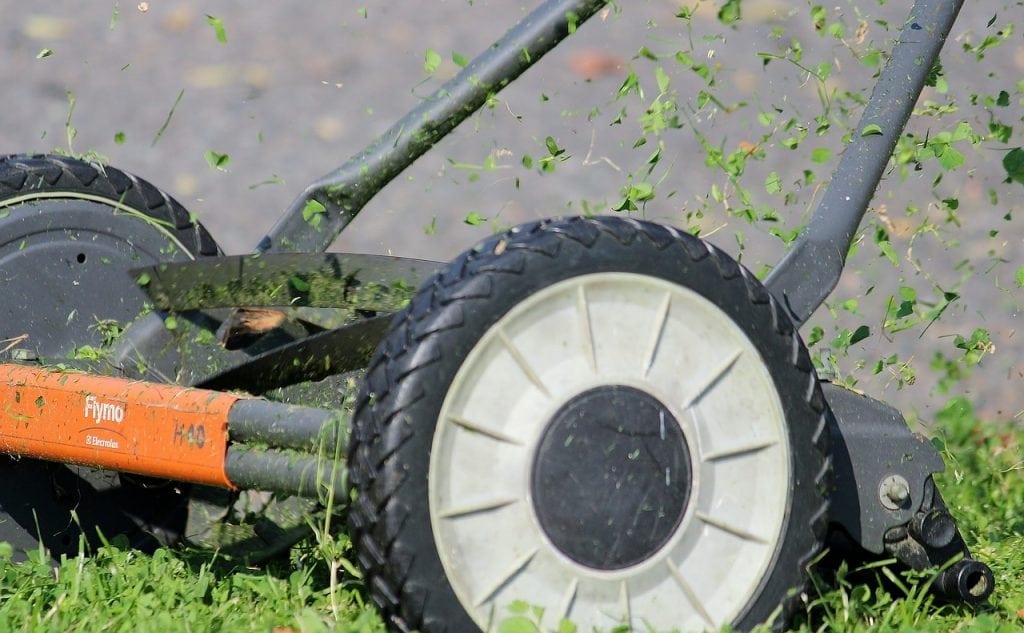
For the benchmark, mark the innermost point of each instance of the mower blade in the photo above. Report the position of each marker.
(313, 358)
(321, 280)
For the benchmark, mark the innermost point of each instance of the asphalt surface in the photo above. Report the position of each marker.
(298, 87)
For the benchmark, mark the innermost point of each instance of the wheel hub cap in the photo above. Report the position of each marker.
(611, 478)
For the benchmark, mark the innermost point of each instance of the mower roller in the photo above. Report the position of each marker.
(605, 417)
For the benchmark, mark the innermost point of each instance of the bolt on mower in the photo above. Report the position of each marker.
(602, 416)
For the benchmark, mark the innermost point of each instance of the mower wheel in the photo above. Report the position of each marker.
(607, 419)
(69, 232)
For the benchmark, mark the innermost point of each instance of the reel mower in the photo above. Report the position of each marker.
(604, 417)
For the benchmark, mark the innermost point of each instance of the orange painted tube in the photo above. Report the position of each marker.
(139, 427)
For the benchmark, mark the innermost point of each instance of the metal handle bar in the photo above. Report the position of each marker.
(345, 191)
(811, 270)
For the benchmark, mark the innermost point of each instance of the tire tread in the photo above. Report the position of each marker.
(21, 174)
(381, 402)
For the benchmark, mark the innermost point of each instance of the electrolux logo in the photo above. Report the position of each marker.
(92, 440)
(103, 411)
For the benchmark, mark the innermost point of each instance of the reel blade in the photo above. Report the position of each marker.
(321, 280)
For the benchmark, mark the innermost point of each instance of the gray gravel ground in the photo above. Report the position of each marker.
(300, 86)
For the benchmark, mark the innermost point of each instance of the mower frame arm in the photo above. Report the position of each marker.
(317, 217)
(810, 271)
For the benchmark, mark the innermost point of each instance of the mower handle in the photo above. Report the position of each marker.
(810, 271)
(317, 217)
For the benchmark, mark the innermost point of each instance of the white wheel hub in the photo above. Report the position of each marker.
(586, 333)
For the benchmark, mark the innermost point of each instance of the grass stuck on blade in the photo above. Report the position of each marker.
(119, 589)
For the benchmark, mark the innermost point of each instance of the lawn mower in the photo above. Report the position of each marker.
(603, 417)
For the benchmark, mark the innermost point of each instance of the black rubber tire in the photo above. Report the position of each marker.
(38, 496)
(22, 174)
(410, 374)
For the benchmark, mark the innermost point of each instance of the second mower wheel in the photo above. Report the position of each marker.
(69, 232)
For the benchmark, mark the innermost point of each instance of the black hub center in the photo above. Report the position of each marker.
(611, 477)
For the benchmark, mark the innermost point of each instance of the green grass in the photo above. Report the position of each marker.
(117, 589)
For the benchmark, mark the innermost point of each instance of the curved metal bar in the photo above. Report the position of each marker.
(338, 197)
(811, 270)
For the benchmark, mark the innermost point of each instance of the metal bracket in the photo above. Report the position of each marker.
(874, 454)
